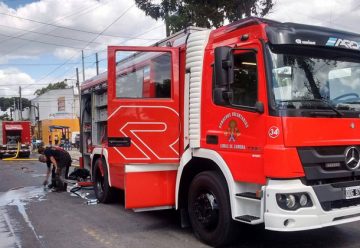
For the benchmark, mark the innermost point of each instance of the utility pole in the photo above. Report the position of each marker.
(81, 128)
(20, 103)
(83, 65)
(78, 87)
(77, 75)
(14, 105)
(97, 63)
(38, 120)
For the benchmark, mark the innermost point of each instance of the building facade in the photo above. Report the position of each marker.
(56, 104)
(56, 107)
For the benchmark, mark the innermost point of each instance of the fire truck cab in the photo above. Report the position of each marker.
(253, 122)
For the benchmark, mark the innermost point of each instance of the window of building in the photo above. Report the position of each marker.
(61, 103)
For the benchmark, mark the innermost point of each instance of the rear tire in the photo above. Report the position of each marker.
(104, 193)
(209, 209)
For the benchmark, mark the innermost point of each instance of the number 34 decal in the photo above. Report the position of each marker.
(274, 132)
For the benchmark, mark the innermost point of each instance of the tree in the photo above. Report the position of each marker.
(55, 86)
(6, 103)
(179, 14)
(5, 117)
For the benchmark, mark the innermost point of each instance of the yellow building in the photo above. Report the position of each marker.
(50, 135)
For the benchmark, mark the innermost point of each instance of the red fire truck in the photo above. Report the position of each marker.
(253, 122)
(16, 135)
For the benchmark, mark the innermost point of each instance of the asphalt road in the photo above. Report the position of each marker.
(30, 217)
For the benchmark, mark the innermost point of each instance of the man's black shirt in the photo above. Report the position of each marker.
(61, 156)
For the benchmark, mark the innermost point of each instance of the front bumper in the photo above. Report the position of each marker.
(278, 219)
(13, 152)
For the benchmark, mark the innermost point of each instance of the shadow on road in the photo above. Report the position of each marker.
(256, 236)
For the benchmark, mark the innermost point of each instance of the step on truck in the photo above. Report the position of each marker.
(254, 122)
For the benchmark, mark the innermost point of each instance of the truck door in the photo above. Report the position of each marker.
(143, 123)
(237, 119)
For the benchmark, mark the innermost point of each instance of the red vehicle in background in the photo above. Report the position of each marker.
(15, 135)
(255, 122)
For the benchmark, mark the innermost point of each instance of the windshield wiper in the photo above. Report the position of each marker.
(328, 104)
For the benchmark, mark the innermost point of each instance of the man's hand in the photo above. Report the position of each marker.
(45, 182)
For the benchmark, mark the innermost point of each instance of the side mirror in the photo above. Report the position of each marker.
(259, 107)
(223, 66)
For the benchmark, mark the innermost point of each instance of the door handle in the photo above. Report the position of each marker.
(119, 142)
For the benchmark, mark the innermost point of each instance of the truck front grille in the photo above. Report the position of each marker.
(326, 165)
(331, 205)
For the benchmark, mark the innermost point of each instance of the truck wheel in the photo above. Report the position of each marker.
(104, 193)
(209, 209)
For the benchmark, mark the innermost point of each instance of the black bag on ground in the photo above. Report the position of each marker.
(79, 174)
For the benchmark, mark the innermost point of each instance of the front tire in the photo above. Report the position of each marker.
(104, 193)
(209, 209)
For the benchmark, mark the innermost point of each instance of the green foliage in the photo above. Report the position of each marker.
(55, 86)
(5, 117)
(6, 103)
(179, 14)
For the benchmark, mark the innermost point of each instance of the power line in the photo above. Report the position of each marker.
(84, 11)
(69, 38)
(98, 35)
(105, 50)
(43, 42)
(59, 26)
(106, 28)
(147, 31)
(39, 64)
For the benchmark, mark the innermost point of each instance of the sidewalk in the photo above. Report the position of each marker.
(75, 154)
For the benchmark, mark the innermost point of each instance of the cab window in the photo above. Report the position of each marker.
(244, 87)
(242, 90)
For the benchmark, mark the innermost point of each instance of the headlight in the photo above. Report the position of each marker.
(293, 201)
(290, 201)
(303, 200)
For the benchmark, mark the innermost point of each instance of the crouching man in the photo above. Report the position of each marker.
(61, 161)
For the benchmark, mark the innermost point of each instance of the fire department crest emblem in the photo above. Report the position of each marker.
(232, 131)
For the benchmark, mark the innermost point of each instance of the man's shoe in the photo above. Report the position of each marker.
(50, 186)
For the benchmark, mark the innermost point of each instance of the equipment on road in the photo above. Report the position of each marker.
(80, 174)
(254, 122)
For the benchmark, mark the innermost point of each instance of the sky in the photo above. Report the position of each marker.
(41, 41)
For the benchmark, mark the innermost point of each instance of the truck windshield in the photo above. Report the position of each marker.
(309, 79)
